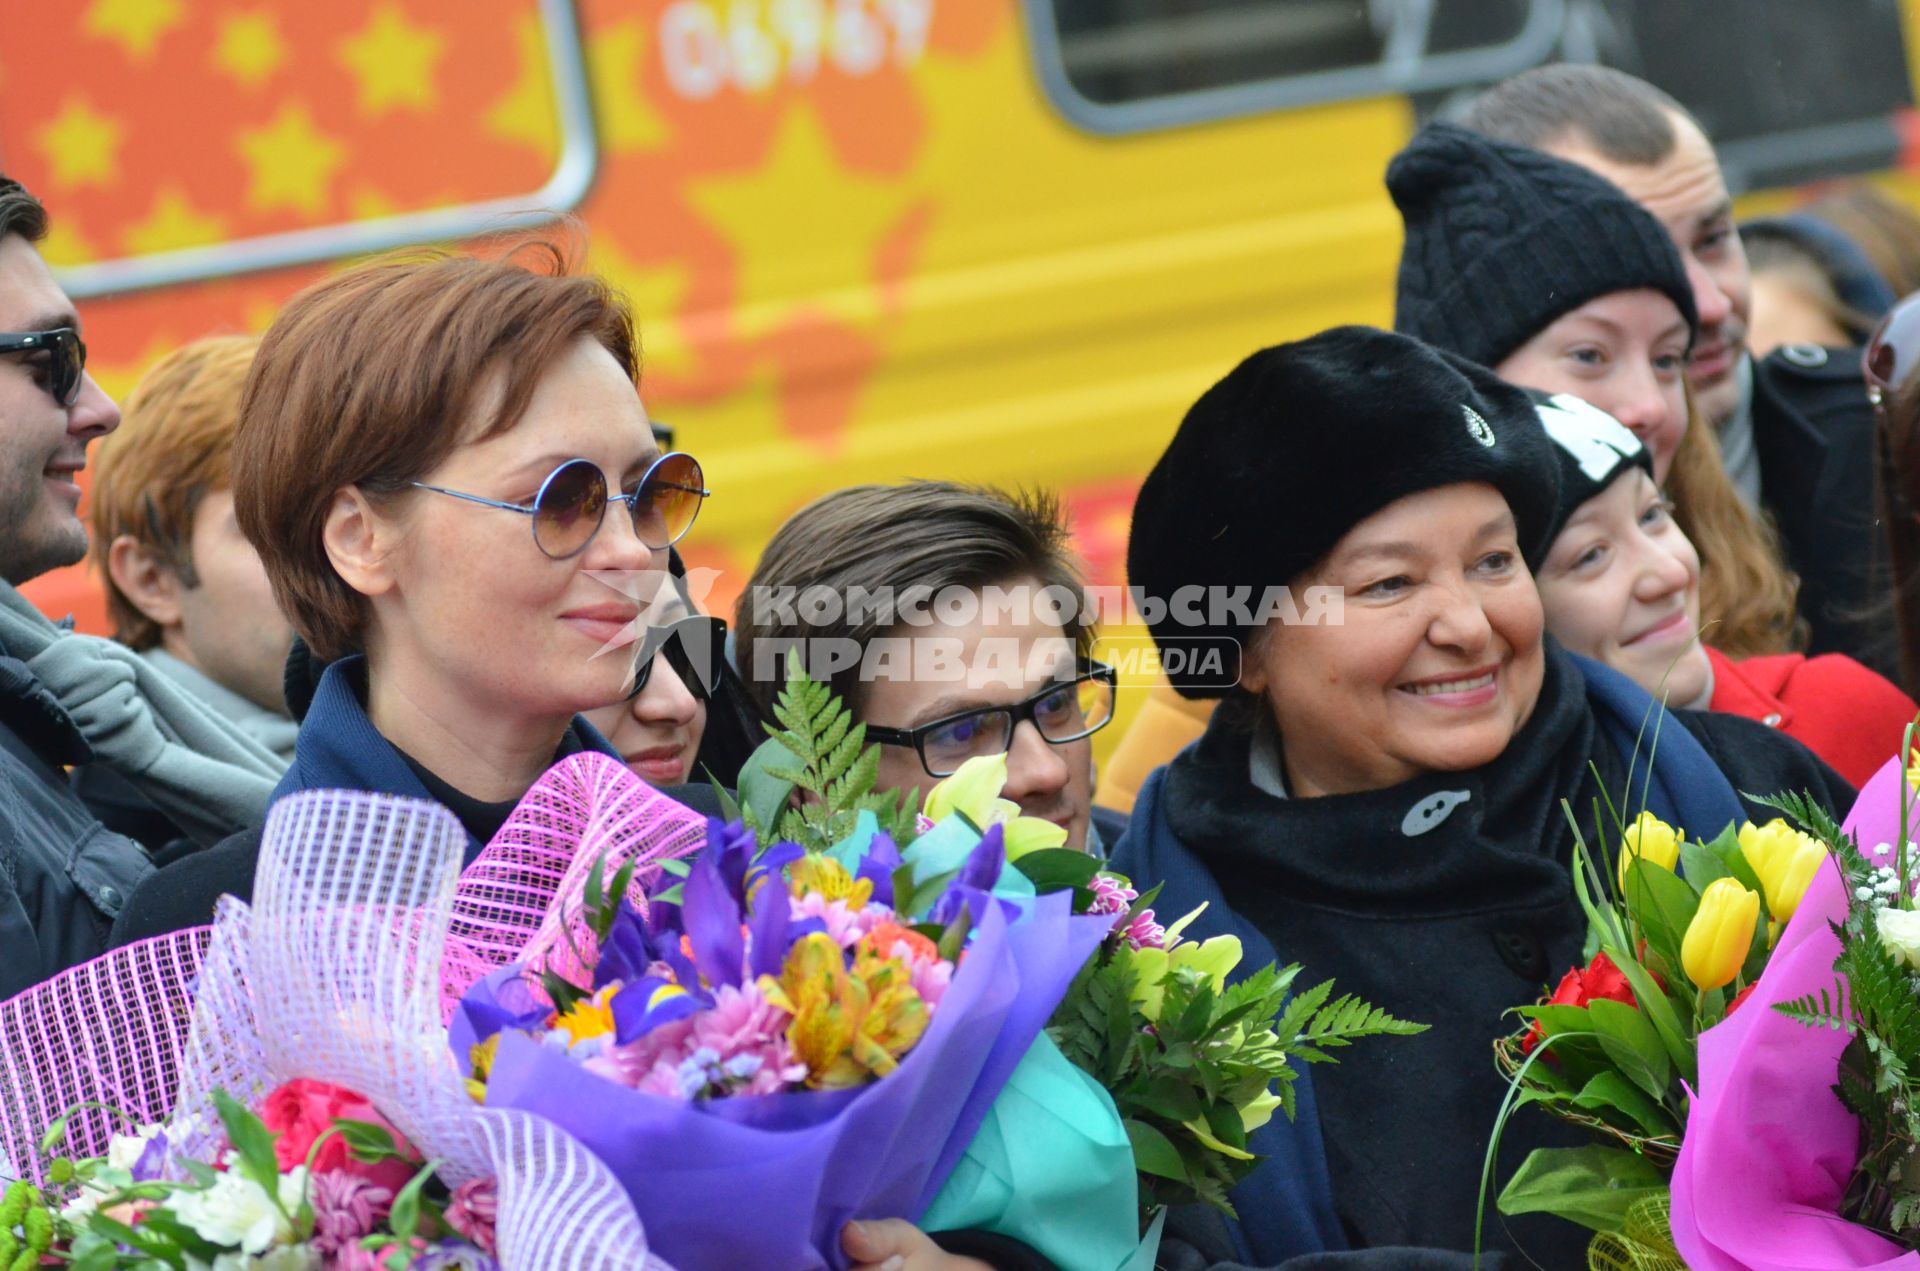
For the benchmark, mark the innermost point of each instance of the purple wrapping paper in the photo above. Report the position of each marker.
(768, 1182)
(1769, 1147)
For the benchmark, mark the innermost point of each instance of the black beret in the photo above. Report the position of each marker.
(1300, 443)
(1502, 240)
(1593, 447)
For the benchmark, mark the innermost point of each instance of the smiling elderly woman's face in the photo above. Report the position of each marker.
(1436, 663)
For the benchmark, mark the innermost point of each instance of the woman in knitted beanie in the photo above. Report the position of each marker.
(1552, 276)
(1337, 544)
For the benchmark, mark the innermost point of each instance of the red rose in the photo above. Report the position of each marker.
(300, 1111)
(1740, 997)
(1601, 980)
(1605, 980)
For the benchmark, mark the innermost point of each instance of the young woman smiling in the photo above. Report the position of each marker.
(1621, 585)
(448, 474)
(1381, 798)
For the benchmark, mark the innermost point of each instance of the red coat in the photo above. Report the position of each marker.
(1838, 709)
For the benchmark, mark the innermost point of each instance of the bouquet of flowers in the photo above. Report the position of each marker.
(311, 1106)
(827, 1022)
(1800, 1149)
(314, 1178)
(1676, 944)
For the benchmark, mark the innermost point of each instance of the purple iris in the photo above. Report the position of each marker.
(650, 1001)
(453, 1255)
(877, 866)
(714, 904)
(972, 887)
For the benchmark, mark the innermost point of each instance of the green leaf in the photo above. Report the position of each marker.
(1054, 869)
(251, 1139)
(1664, 903)
(1609, 1091)
(367, 1141)
(1592, 1185)
(1154, 1153)
(1168, 1097)
(1700, 864)
(404, 1217)
(1676, 1037)
(1631, 1042)
(762, 795)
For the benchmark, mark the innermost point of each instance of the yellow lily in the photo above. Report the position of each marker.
(816, 873)
(847, 1026)
(1720, 934)
(1649, 839)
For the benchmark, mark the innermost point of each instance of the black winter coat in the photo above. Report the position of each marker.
(63, 875)
(1450, 924)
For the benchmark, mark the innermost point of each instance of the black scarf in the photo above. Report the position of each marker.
(1442, 909)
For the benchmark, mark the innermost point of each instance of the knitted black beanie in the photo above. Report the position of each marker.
(1594, 450)
(1296, 446)
(1502, 240)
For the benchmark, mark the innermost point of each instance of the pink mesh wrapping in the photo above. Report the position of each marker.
(340, 971)
(520, 896)
(110, 1031)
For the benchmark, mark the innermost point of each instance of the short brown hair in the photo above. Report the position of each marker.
(20, 212)
(875, 539)
(1626, 119)
(367, 380)
(174, 447)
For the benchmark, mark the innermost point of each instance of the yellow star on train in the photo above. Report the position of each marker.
(172, 223)
(81, 145)
(249, 48)
(135, 25)
(804, 228)
(394, 62)
(291, 163)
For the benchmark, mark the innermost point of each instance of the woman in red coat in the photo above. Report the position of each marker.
(1621, 584)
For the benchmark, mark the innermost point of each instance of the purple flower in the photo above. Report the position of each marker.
(345, 1208)
(153, 1159)
(473, 1210)
(1143, 932)
(650, 1001)
(877, 866)
(453, 1255)
(971, 888)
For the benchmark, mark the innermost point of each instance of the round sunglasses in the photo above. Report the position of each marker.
(695, 648)
(572, 503)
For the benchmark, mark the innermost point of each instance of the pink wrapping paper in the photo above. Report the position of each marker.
(1769, 1147)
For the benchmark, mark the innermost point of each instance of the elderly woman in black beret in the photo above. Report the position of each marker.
(1379, 796)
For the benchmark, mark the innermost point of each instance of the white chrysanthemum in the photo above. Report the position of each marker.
(125, 1150)
(238, 1212)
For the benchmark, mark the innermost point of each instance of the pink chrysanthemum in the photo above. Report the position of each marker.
(1110, 895)
(345, 1208)
(737, 1047)
(1143, 932)
(845, 925)
(472, 1211)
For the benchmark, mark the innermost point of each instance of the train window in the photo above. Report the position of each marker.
(1121, 65)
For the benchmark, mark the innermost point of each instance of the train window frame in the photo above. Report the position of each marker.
(574, 169)
(1534, 44)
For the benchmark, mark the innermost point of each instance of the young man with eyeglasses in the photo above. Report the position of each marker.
(1795, 428)
(950, 620)
(62, 877)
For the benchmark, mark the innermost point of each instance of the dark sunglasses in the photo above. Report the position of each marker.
(572, 503)
(66, 362)
(696, 649)
(1063, 711)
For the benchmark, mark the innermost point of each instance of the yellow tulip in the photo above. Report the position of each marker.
(1650, 839)
(1720, 934)
(1785, 861)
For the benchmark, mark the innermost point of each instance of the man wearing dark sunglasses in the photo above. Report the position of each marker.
(63, 876)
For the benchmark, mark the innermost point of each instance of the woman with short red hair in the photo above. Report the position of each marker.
(447, 470)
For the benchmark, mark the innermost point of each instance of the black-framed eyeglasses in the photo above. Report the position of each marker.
(572, 503)
(66, 362)
(696, 649)
(1063, 711)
